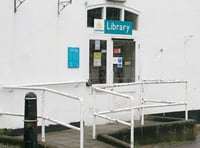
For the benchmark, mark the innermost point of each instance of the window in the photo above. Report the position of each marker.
(113, 13)
(120, 67)
(129, 16)
(98, 61)
(93, 14)
(124, 55)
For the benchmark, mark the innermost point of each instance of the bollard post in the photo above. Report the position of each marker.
(30, 121)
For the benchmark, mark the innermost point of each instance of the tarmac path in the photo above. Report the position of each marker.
(70, 139)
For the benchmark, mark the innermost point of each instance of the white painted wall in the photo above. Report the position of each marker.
(34, 41)
(33, 49)
(165, 25)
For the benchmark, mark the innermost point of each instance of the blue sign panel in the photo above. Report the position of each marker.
(120, 62)
(118, 27)
(73, 57)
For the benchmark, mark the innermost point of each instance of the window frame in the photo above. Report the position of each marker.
(134, 21)
(92, 35)
(111, 17)
(121, 17)
(93, 17)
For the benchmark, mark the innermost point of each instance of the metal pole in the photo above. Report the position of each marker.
(94, 114)
(42, 114)
(142, 107)
(132, 124)
(30, 121)
(81, 125)
(15, 6)
(58, 7)
(112, 105)
(186, 109)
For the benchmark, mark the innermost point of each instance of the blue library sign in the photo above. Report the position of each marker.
(73, 57)
(118, 27)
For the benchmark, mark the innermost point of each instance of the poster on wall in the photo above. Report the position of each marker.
(97, 59)
(73, 57)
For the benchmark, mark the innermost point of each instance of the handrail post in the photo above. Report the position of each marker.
(111, 105)
(42, 114)
(186, 110)
(132, 123)
(81, 125)
(94, 115)
(142, 106)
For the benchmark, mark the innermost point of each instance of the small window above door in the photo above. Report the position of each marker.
(132, 17)
(93, 14)
(111, 13)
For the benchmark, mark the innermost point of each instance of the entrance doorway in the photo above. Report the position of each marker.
(98, 62)
(121, 61)
(124, 58)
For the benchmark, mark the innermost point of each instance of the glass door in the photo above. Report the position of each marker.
(97, 69)
(123, 61)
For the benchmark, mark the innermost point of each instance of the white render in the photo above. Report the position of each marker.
(34, 42)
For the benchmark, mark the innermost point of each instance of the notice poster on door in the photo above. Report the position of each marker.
(118, 61)
(97, 44)
(97, 59)
(117, 50)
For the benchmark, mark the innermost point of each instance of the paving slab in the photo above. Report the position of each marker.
(71, 138)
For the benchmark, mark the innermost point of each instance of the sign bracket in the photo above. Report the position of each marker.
(62, 4)
(17, 4)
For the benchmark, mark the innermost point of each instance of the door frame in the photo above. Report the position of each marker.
(134, 48)
(110, 44)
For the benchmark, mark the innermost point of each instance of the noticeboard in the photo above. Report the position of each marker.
(73, 57)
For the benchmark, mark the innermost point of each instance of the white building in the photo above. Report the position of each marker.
(105, 41)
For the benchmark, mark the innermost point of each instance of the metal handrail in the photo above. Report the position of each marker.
(148, 82)
(43, 89)
(42, 117)
(166, 103)
(102, 114)
(47, 83)
(145, 82)
(159, 103)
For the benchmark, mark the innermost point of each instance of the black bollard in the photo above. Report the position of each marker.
(30, 121)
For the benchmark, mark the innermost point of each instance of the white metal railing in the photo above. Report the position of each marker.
(44, 89)
(162, 103)
(102, 114)
(49, 83)
(158, 103)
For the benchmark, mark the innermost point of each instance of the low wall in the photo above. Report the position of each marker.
(162, 130)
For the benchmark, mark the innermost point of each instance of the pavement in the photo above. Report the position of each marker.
(71, 139)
